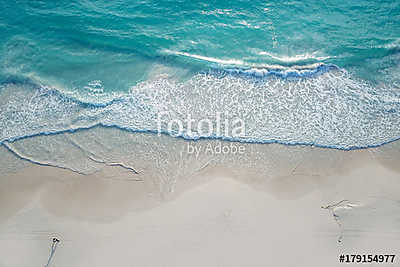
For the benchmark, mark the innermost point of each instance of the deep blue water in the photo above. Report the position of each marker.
(310, 72)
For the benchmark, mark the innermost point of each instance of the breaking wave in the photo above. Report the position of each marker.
(324, 106)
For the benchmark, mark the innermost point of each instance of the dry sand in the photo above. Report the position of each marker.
(221, 216)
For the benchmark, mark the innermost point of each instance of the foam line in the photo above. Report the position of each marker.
(325, 107)
(118, 164)
(36, 162)
(316, 69)
(227, 139)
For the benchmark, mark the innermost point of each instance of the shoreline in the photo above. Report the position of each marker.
(195, 139)
(210, 213)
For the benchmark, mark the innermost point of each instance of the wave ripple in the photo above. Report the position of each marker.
(331, 109)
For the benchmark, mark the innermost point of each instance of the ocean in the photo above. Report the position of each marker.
(320, 73)
(199, 133)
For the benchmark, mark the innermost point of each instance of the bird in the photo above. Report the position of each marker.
(53, 250)
(341, 205)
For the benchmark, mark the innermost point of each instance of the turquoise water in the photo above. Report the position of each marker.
(297, 72)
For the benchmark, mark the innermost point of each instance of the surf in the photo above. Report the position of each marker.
(325, 107)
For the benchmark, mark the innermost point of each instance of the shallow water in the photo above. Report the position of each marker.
(316, 72)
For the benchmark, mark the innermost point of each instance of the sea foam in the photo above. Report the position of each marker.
(325, 106)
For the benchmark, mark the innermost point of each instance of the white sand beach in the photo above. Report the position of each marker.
(199, 133)
(217, 216)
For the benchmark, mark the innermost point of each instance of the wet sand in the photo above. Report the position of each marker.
(257, 213)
